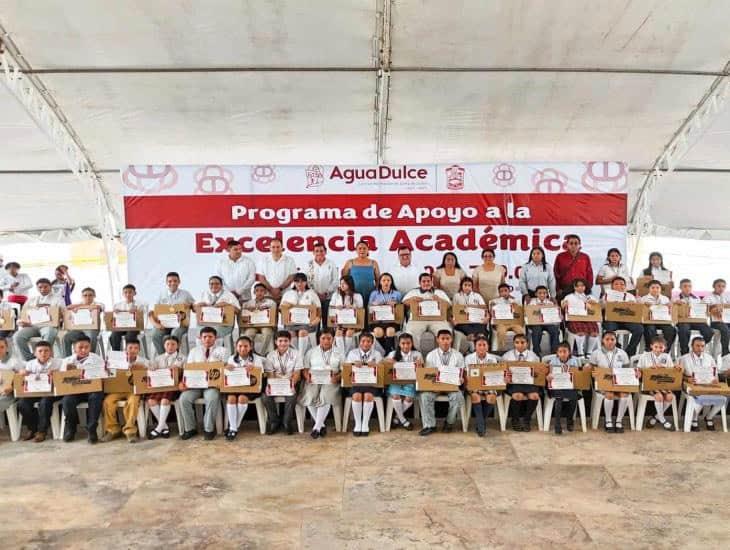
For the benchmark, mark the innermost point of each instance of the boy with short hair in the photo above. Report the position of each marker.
(88, 296)
(38, 421)
(443, 356)
(81, 358)
(502, 328)
(129, 304)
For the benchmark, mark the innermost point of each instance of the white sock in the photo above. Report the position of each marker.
(623, 404)
(162, 423)
(155, 410)
(321, 417)
(242, 408)
(660, 408)
(312, 411)
(592, 344)
(357, 413)
(580, 344)
(713, 412)
(608, 410)
(398, 408)
(367, 410)
(232, 412)
(696, 412)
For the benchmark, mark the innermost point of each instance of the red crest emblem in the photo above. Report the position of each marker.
(315, 176)
(149, 179)
(455, 177)
(263, 173)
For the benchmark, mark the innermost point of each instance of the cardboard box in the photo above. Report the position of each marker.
(121, 382)
(461, 317)
(604, 382)
(624, 312)
(68, 320)
(533, 314)
(661, 379)
(359, 315)
(539, 370)
(256, 376)
(140, 381)
(683, 312)
(705, 389)
(53, 312)
(7, 319)
(518, 319)
(595, 314)
(399, 314)
(426, 381)
(443, 313)
(19, 387)
(72, 382)
(347, 376)
(315, 314)
(109, 322)
(475, 377)
(642, 286)
(647, 320)
(229, 317)
(388, 365)
(716, 307)
(183, 310)
(214, 372)
(243, 320)
(582, 378)
(6, 379)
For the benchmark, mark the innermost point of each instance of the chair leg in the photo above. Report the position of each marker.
(179, 416)
(582, 412)
(56, 421)
(501, 414)
(675, 414)
(346, 414)
(505, 413)
(464, 418)
(688, 412)
(641, 411)
(723, 415)
(337, 413)
(539, 413)
(381, 413)
(388, 414)
(632, 419)
(260, 415)
(15, 420)
(596, 409)
(142, 415)
(549, 403)
(300, 412)
(219, 421)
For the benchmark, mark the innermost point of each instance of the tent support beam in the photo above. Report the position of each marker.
(42, 108)
(382, 87)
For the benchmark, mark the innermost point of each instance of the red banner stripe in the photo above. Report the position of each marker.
(307, 210)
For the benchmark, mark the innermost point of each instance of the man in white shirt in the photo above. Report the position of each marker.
(80, 359)
(237, 271)
(695, 360)
(424, 292)
(130, 304)
(276, 270)
(323, 277)
(207, 352)
(443, 356)
(16, 284)
(37, 420)
(405, 275)
(217, 297)
(283, 362)
(174, 295)
(716, 301)
(27, 331)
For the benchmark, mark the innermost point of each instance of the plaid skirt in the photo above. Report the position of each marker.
(170, 395)
(582, 326)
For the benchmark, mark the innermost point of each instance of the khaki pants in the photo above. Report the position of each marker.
(502, 330)
(130, 413)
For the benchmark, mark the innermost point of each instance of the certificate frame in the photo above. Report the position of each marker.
(138, 318)
(461, 315)
(256, 376)
(243, 320)
(68, 320)
(183, 309)
(229, 316)
(359, 319)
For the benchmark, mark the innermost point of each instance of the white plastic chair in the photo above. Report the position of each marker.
(596, 404)
(199, 405)
(499, 410)
(260, 413)
(389, 408)
(335, 410)
(297, 412)
(143, 418)
(689, 410)
(82, 408)
(15, 421)
(538, 412)
(380, 409)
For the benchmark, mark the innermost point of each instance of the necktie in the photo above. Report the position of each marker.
(207, 353)
(521, 357)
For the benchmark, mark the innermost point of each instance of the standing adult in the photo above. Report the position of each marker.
(405, 274)
(237, 271)
(448, 275)
(612, 269)
(16, 284)
(364, 271)
(322, 277)
(276, 270)
(572, 264)
(488, 276)
(536, 272)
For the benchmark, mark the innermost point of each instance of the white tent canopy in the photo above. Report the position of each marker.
(290, 82)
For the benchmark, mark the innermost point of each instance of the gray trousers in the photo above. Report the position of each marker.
(23, 336)
(428, 407)
(187, 403)
(72, 335)
(5, 402)
(157, 336)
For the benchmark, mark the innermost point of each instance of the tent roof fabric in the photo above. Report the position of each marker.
(290, 82)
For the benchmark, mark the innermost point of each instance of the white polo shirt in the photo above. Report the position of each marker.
(406, 278)
(238, 276)
(616, 358)
(323, 278)
(197, 355)
(437, 358)
(276, 271)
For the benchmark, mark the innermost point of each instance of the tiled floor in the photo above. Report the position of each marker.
(396, 490)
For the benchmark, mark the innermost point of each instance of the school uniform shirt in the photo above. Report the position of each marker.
(533, 275)
(357, 355)
(276, 271)
(318, 359)
(36, 367)
(180, 296)
(222, 298)
(616, 358)
(488, 359)
(168, 361)
(538, 302)
(557, 363)
(691, 361)
(74, 362)
(10, 363)
(661, 275)
(514, 355)
(266, 303)
(283, 365)
(438, 358)
(252, 360)
(411, 357)
(690, 299)
(626, 297)
(426, 294)
(141, 362)
(500, 300)
(323, 278)
(216, 354)
(379, 298)
(307, 298)
(471, 299)
(649, 359)
(48, 300)
(238, 276)
(129, 306)
(612, 271)
(717, 299)
(405, 278)
(660, 300)
(24, 284)
(338, 300)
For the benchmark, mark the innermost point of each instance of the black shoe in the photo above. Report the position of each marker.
(558, 427)
(272, 429)
(395, 425)
(426, 431)
(356, 434)
(315, 434)
(526, 425)
(448, 428)
(365, 434)
(619, 429)
(323, 431)
(69, 436)
(92, 438)
(481, 432)
(165, 433)
(188, 434)
(231, 435)
(710, 425)
(695, 427)
(290, 429)
(570, 425)
(208, 436)
(609, 428)
(407, 426)
(516, 426)
(154, 434)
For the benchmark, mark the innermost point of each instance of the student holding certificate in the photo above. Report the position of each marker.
(656, 298)
(344, 297)
(716, 301)
(658, 358)
(559, 366)
(613, 269)
(128, 305)
(576, 302)
(37, 420)
(504, 302)
(363, 397)
(656, 269)
(385, 295)
(443, 357)
(89, 303)
(482, 402)
(173, 295)
(322, 366)
(684, 329)
(403, 394)
(700, 368)
(284, 363)
(542, 298)
(413, 299)
(237, 405)
(26, 330)
(469, 331)
(160, 403)
(301, 295)
(211, 302)
(260, 302)
(8, 367)
(524, 396)
(611, 357)
(617, 293)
